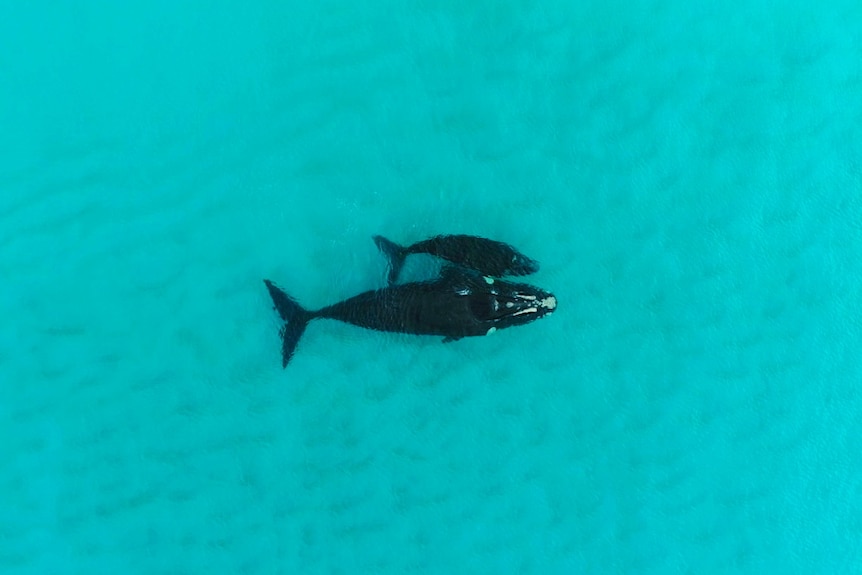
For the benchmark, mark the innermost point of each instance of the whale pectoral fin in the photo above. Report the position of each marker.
(449, 339)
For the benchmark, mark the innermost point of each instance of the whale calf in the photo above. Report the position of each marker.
(488, 257)
(459, 303)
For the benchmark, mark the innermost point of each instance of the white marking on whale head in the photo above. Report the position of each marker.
(526, 310)
(549, 302)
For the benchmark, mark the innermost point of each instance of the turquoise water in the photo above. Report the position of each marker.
(688, 175)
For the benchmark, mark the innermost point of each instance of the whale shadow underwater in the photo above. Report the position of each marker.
(461, 302)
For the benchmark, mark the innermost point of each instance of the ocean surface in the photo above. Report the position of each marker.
(688, 174)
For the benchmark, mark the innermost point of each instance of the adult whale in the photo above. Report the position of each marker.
(488, 257)
(457, 304)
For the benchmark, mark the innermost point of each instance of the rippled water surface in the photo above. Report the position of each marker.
(689, 177)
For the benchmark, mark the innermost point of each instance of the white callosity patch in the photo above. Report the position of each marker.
(549, 302)
(527, 310)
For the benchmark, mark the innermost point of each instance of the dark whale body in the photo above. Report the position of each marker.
(488, 257)
(457, 304)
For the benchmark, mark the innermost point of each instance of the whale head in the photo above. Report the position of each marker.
(505, 304)
(521, 265)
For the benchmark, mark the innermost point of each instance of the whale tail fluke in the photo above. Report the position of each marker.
(295, 317)
(394, 253)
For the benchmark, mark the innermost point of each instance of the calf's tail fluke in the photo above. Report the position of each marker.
(295, 317)
(394, 253)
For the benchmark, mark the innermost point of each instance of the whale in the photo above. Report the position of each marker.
(458, 303)
(488, 257)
